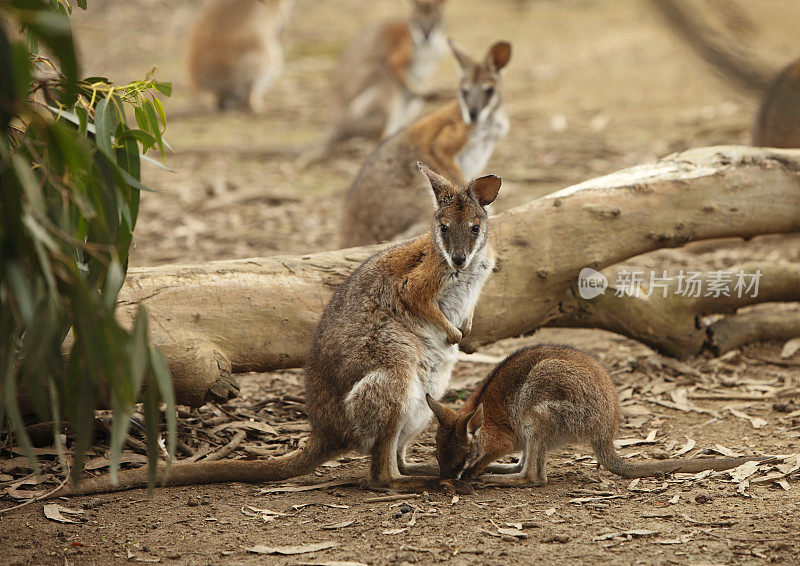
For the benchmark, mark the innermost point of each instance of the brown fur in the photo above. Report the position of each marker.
(374, 85)
(234, 51)
(778, 120)
(385, 200)
(385, 341)
(535, 400)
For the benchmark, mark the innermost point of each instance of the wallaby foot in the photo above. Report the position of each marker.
(413, 469)
(511, 480)
(513, 468)
(418, 484)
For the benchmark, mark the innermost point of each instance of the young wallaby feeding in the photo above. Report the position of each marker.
(384, 72)
(385, 341)
(778, 120)
(235, 52)
(538, 399)
(386, 200)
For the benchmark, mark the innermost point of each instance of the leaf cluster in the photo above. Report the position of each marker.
(70, 183)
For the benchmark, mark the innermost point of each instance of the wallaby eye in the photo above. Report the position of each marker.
(489, 91)
(464, 92)
(476, 228)
(443, 228)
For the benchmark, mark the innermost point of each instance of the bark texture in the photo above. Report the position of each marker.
(674, 324)
(259, 314)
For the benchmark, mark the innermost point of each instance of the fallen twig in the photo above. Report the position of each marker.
(39, 498)
(228, 448)
(395, 497)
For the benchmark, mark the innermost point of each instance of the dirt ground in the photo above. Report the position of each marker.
(593, 87)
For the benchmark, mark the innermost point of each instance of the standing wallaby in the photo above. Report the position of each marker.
(385, 341)
(386, 201)
(235, 52)
(380, 82)
(778, 120)
(383, 73)
(538, 399)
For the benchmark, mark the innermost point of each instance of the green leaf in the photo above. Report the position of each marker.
(163, 88)
(104, 124)
(83, 120)
(114, 280)
(147, 140)
(152, 120)
(20, 287)
(161, 113)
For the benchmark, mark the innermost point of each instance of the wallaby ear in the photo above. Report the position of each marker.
(476, 420)
(442, 188)
(464, 61)
(485, 189)
(438, 409)
(498, 55)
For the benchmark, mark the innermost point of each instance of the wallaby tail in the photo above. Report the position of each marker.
(297, 463)
(610, 459)
(320, 149)
(734, 64)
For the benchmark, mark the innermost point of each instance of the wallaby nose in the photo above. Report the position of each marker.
(473, 115)
(459, 259)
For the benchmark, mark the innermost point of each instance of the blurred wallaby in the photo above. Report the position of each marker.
(383, 73)
(381, 79)
(386, 199)
(235, 51)
(536, 400)
(777, 123)
(386, 339)
(778, 120)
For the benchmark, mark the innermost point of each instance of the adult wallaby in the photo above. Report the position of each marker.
(386, 340)
(778, 120)
(385, 201)
(383, 73)
(382, 77)
(235, 52)
(536, 400)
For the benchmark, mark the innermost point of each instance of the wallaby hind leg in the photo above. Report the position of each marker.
(411, 468)
(512, 468)
(385, 471)
(533, 471)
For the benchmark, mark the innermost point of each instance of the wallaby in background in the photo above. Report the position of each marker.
(777, 123)
(536, 400)
(778, 120)
(386, 341)
(386, 199)
(235, 51)
(382, 77)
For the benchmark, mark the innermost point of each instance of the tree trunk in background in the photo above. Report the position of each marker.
(259, 314)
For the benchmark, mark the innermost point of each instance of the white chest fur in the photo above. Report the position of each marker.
(476, 153)
(427, 54)
(460, 293)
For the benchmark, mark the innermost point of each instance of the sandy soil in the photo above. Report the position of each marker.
(592, 87)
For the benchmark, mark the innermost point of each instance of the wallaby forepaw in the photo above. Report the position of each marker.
(454, 337)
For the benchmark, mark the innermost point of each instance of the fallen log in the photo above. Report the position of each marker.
(259, 314)
(671, 320)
